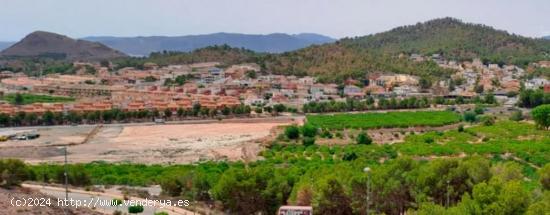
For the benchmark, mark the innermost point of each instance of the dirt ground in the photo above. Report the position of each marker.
(168, 143)
(6, 196)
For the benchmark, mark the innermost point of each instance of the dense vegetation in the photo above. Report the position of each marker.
(392, 103)
(532, 98)
(507, 173)
(456, 40)
(384, 120)
(23, 99)
(119, 116)
(320, 175)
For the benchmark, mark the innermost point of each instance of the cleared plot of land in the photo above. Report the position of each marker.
(170, 143)
(34, 98)
(384, 120)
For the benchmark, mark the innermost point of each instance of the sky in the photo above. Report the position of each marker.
(334, 18)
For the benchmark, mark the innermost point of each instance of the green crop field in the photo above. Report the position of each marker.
(34, 98)
(384, 120)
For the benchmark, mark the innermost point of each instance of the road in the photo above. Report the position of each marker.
(87, 196)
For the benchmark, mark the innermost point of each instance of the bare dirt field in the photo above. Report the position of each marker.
(149, 143)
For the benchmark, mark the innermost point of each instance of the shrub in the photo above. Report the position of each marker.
(479, 110)
(516, 116)
(135, 209)
(339, 135)
(326, 134)
(309, 130)
(541, 115)
(429, 140)
(461, 128)
(544, 177)
(470, 116)
(488, 120)
(363, 138)
(308, 141)
(13, 172)
(292, 132)
(349, 156)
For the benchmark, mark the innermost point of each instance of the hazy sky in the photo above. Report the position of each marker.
(335, 18)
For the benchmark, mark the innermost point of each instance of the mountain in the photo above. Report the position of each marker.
(547, 37)
(355, 57)
(455, 39)
(271, 43)
(4, 45)
(51, 45)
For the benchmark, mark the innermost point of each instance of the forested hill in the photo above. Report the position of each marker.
(456, 40)
(355, 57)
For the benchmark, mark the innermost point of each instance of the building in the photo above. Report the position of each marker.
(295, 210)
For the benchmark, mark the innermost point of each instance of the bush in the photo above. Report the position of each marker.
(13, 172)
(429, 140)
(488, 120)
(461, 128)
(349, 156)
(541, 115)
(135, 209)
(544, 177)
(309, 130)
(326, 134)
(308, 141)
(292, 132)
(479, 110)
(470, 116)
(517, 116)
(363, 138)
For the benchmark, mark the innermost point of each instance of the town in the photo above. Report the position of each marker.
(212, 87)
(274, 107)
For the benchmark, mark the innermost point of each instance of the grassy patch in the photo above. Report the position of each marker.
(34, 98)
(384, 120)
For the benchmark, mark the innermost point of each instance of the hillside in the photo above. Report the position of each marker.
(271, 43)
(50, 45)
(355, 57)
(547, 37)
(455, 39)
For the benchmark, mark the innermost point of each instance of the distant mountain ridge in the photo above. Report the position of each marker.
(547, 37)
(271, 43)
(50, 45)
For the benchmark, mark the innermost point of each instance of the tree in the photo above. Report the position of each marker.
(48, 118)
(251, 74)
(292, 132)
(19, 100)
(331, 199)
(363, 138)
(541, 115)
(167, 113)
(12, 172)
